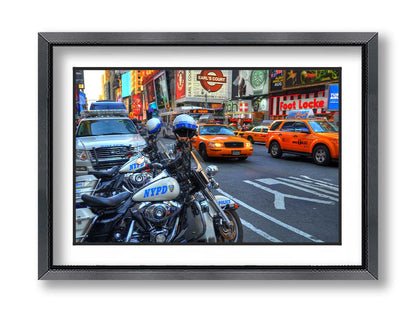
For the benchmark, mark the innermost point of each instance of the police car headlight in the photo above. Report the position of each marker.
(81, 154)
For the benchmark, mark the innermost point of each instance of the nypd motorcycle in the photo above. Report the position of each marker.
(126, 177)
(175, 206)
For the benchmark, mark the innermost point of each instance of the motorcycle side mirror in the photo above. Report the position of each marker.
(211, 170)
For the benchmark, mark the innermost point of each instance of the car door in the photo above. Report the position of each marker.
(263, 134)
(286, 135)
(301, 138)
(256, 134)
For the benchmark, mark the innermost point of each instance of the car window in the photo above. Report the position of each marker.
(257, 129)
(264, 130)
(288, 126)
(301, 127)
(106, 127)
(214, 130)
(323, 126)
(275, 125)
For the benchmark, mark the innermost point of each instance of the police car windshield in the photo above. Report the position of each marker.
(215, 130)
(106, 127)
(323, 126)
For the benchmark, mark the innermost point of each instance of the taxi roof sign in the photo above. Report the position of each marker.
(300, 114)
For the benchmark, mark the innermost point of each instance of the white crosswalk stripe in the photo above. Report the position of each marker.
(260, 232)
(274, 220)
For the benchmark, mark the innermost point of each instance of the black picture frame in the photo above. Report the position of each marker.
(368, 42)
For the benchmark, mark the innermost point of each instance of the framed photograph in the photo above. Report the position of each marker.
(208, 156)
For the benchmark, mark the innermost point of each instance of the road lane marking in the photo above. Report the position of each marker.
(308, 185)
(260, 232)
(268, 181)
(306, 177)
(299, 188)
(279, 198)
(333, 188)
(266, 216)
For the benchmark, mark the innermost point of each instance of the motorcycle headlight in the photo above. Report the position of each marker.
(212, 144)
(211, 170)
(81, 154)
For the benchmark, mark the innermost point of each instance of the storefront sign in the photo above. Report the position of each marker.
(235, 107)
(303, 104)
(281, 105)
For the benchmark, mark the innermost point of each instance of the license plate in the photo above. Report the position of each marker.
(235, 152)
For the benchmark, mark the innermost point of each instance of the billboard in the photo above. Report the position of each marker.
(277, 80)
(215, 84)
(126, 84)
(252, 82)
(180, 84)
(304, 77)
(161, 91)
(333, 97)
(149, 90)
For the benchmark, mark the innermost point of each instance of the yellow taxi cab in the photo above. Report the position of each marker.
(313, 137)
(257, 134)
(217, 140)
(234, 129)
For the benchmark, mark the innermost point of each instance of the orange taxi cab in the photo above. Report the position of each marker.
(217, 140)
(313, 137)
(257, 134)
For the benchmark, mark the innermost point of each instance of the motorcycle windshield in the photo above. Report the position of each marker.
(165, 150)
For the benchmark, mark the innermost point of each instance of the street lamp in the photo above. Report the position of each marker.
(206, 97)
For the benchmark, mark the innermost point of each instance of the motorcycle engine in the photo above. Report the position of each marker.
(139, 179)
(156, 219)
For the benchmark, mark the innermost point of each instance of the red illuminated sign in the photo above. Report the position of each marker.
(180, 84)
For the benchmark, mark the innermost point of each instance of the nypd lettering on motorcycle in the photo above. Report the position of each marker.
(155, 191)
(159, 190)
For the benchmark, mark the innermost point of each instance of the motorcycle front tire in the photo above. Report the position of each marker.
(233, 234)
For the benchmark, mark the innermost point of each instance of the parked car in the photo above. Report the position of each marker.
(312, 137)
(217, 140)
(104, 139)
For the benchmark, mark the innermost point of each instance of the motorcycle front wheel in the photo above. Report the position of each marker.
(234, 232)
